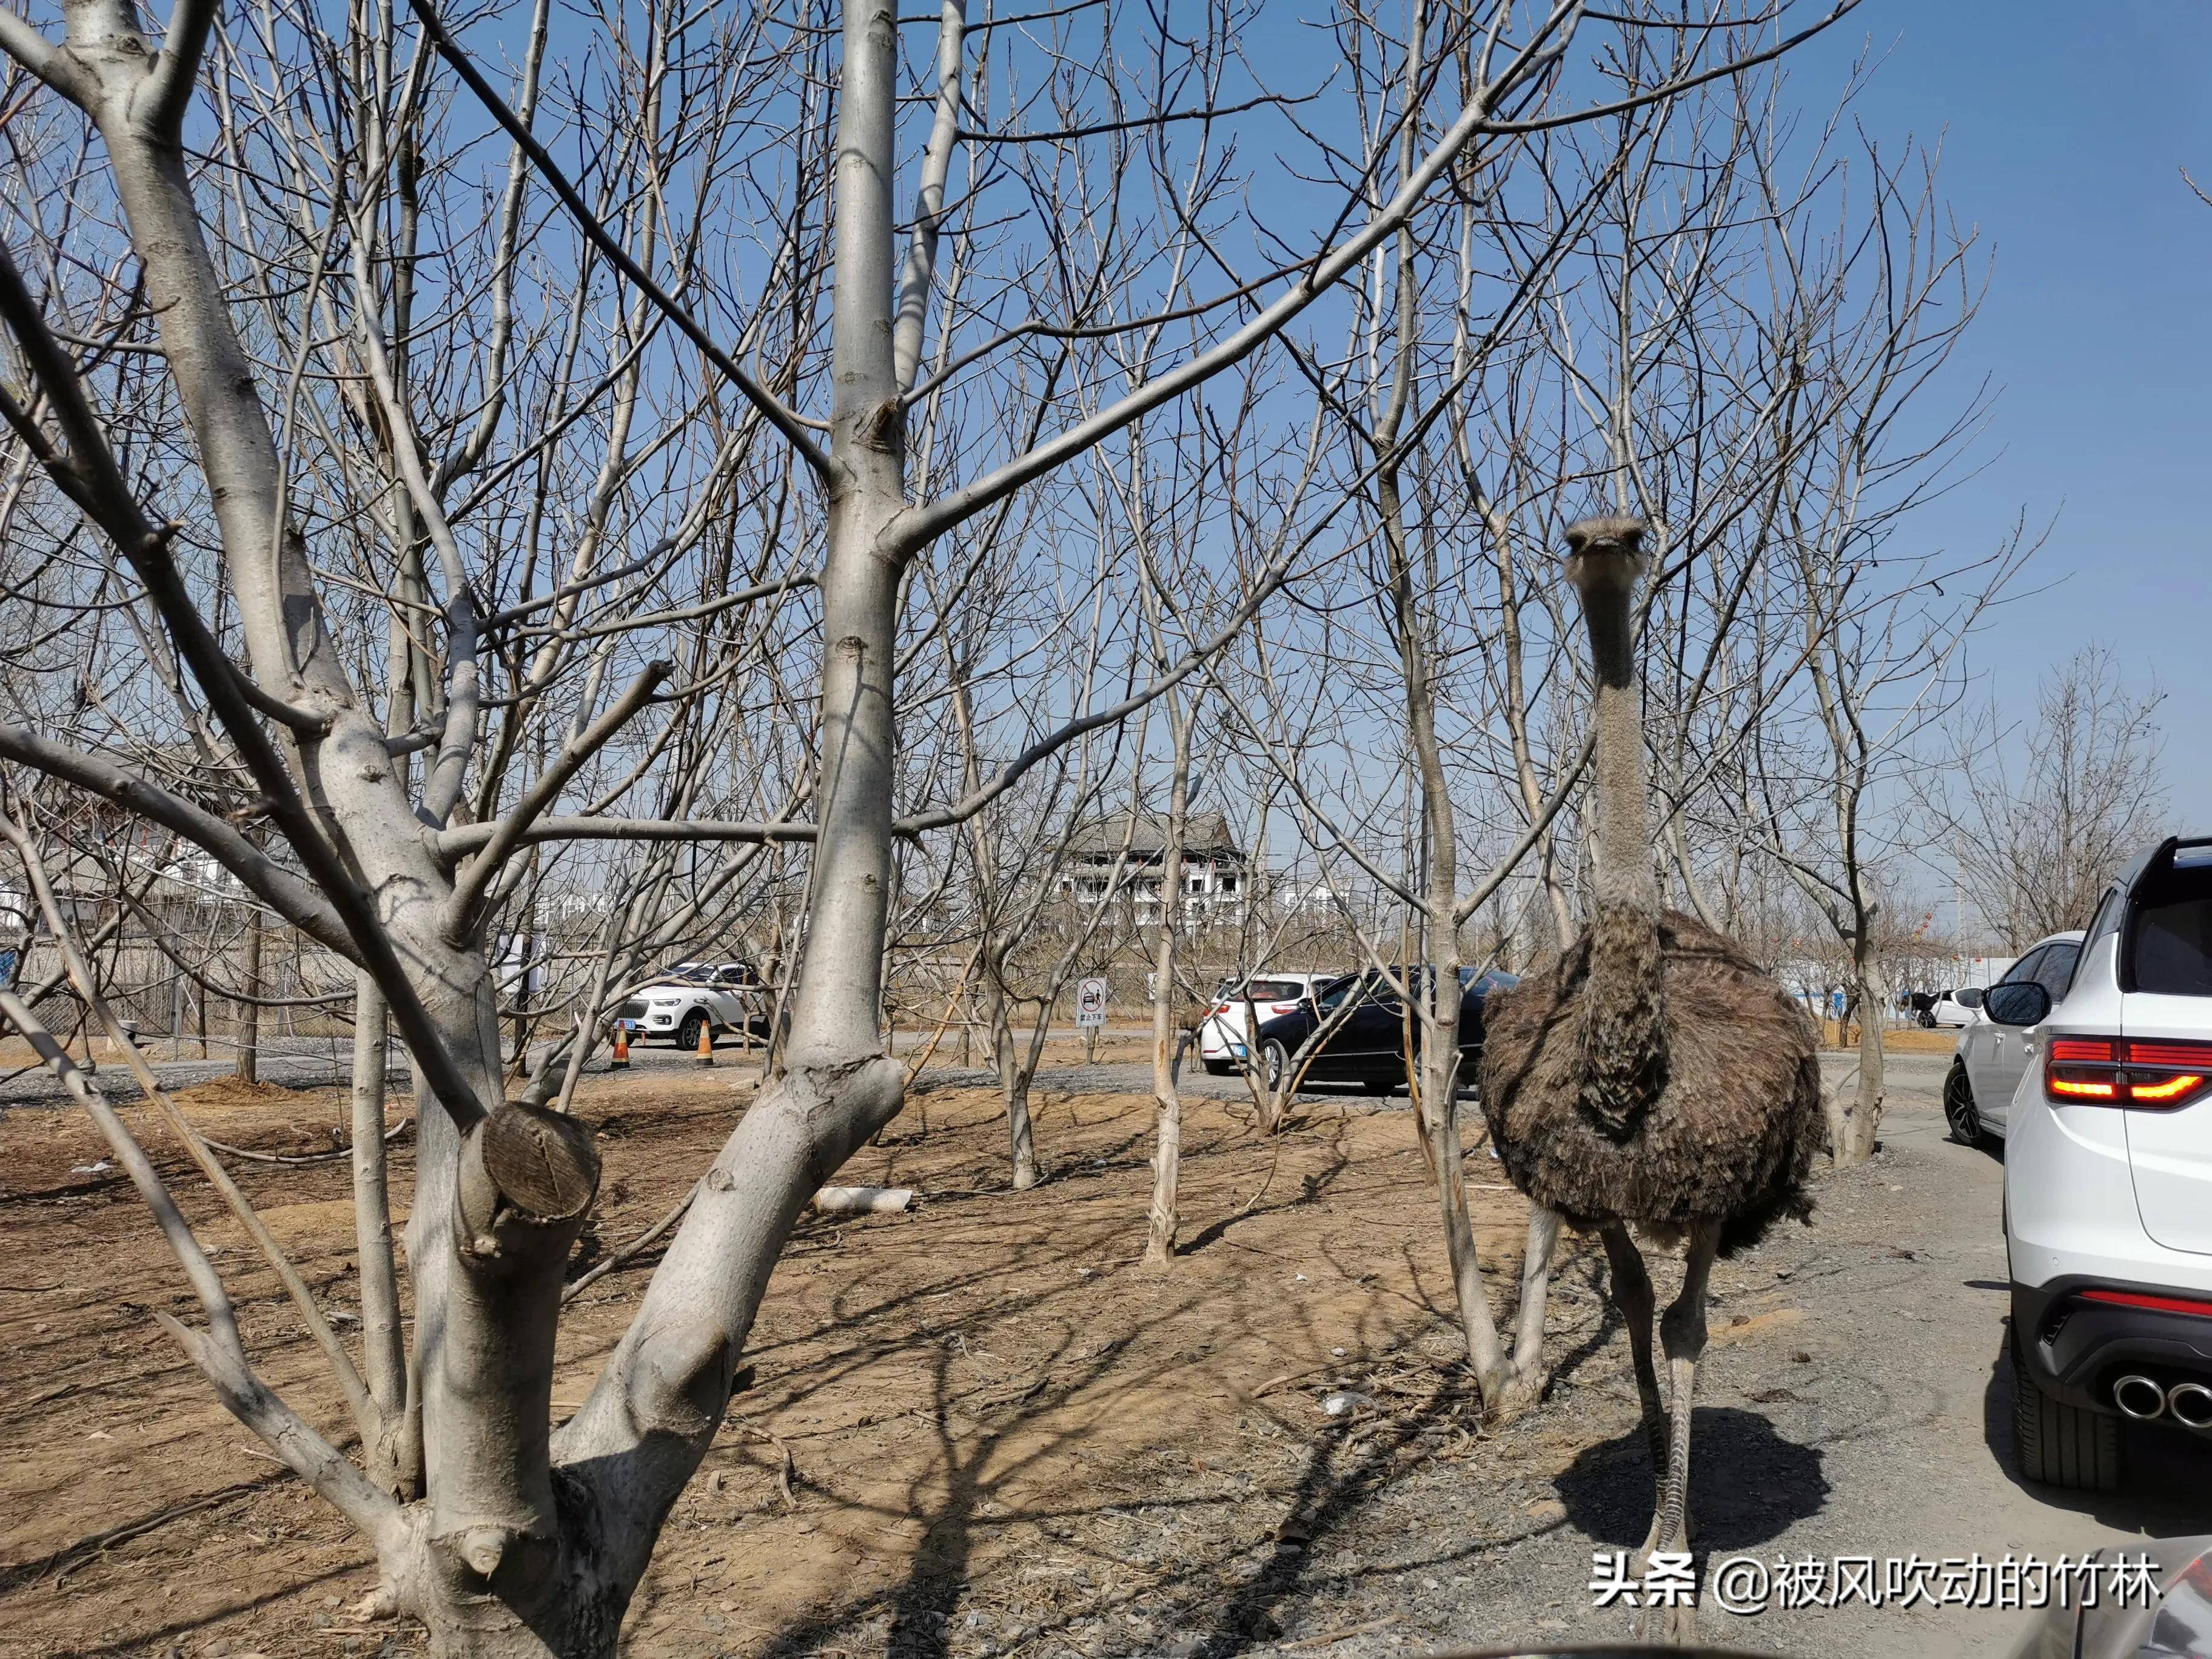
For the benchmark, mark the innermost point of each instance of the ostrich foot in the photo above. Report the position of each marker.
(1512, 1395)
(1673, 1626)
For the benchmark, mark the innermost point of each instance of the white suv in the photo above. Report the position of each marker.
(694, 999)
(2108, 1177)
(1239, 1006)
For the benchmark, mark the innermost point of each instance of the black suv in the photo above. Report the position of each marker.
(1369, 1044)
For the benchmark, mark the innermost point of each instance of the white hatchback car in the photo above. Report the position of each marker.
(2108, 1175)
(1239, 1006)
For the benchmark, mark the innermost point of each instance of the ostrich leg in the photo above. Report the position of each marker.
(1682, 1331)
(1631, 1294)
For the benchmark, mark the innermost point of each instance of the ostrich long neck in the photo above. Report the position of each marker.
(1624, 847)
(1624, 1030)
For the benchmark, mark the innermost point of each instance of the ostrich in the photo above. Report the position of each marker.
(1651, 1075)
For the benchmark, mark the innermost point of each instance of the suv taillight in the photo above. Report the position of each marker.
(2153, 1076)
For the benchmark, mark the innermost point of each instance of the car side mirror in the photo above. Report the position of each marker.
(1969, 997)
(2023, 1003)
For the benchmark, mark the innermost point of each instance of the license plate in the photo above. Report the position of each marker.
(1236, 1049)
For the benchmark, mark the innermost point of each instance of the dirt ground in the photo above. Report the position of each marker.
(1004, 1434)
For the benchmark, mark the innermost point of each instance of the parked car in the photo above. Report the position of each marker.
(712, 973)
(1952, 1007)
(1990, 1060)
(1224, 1035)
(1369, 1046)
(2169, 1616)
(2108, 1174)
(693, 997)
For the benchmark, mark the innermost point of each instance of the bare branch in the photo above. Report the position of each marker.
(770, 406)
(294, 898)
(216, 1352)
(464, 838)
(475, 880)
(169, 81)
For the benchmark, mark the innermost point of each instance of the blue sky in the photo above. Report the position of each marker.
(2063, 129)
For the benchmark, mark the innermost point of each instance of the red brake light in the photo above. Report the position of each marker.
(2081, 1050)
(2093, 1071)
(1284, 1008)
(2197, 1055)
(2182, 1304)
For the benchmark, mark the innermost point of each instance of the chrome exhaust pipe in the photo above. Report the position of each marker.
(2190, 1405)
(2139, 1397)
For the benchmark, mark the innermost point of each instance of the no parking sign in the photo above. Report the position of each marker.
(1090, 1002)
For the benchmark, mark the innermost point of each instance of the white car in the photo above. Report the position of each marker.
(692, 998)
(1990, 1060)
(2108, 1175)
(1239, 1006)
(1953, 1008)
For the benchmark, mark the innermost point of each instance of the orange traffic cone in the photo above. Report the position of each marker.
(705, 1044)
(621, 1047)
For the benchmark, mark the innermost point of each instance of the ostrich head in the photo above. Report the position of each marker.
(1604, 557)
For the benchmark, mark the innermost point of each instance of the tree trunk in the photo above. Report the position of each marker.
(395, 1462)
(249, 1022)
(1167, 1156)
(1432, 1073)
(1854, 1128)
(1014, 1085)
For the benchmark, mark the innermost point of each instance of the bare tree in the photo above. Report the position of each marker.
(2041, 814)
(1880, 632)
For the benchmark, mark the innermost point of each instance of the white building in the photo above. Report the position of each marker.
(1112, 859)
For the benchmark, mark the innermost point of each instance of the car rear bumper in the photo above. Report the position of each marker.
(2073, 1350)
(1217, 1041)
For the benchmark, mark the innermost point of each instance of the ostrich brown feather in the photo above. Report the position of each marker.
(1730, 1129)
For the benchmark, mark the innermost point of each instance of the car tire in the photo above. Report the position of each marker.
(1958, 1108)
(2061, 1445)
(688, 1033)
(1219, 1068)
(1274, 1064)
(1379, 1084)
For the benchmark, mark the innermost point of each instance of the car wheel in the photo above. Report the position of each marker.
(1274, 1064)
(2058, 1444)
(1219, 1068)
(1959, 1107)
(1377, 1085)
(688, 1033)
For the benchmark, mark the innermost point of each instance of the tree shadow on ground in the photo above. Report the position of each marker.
(1748, 1485)
(1343, 1473)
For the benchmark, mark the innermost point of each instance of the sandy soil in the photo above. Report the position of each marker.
(968, 1393)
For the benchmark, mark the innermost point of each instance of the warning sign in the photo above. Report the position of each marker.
(1090, 1002)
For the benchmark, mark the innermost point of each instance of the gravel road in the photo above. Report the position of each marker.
(1855, 1401)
